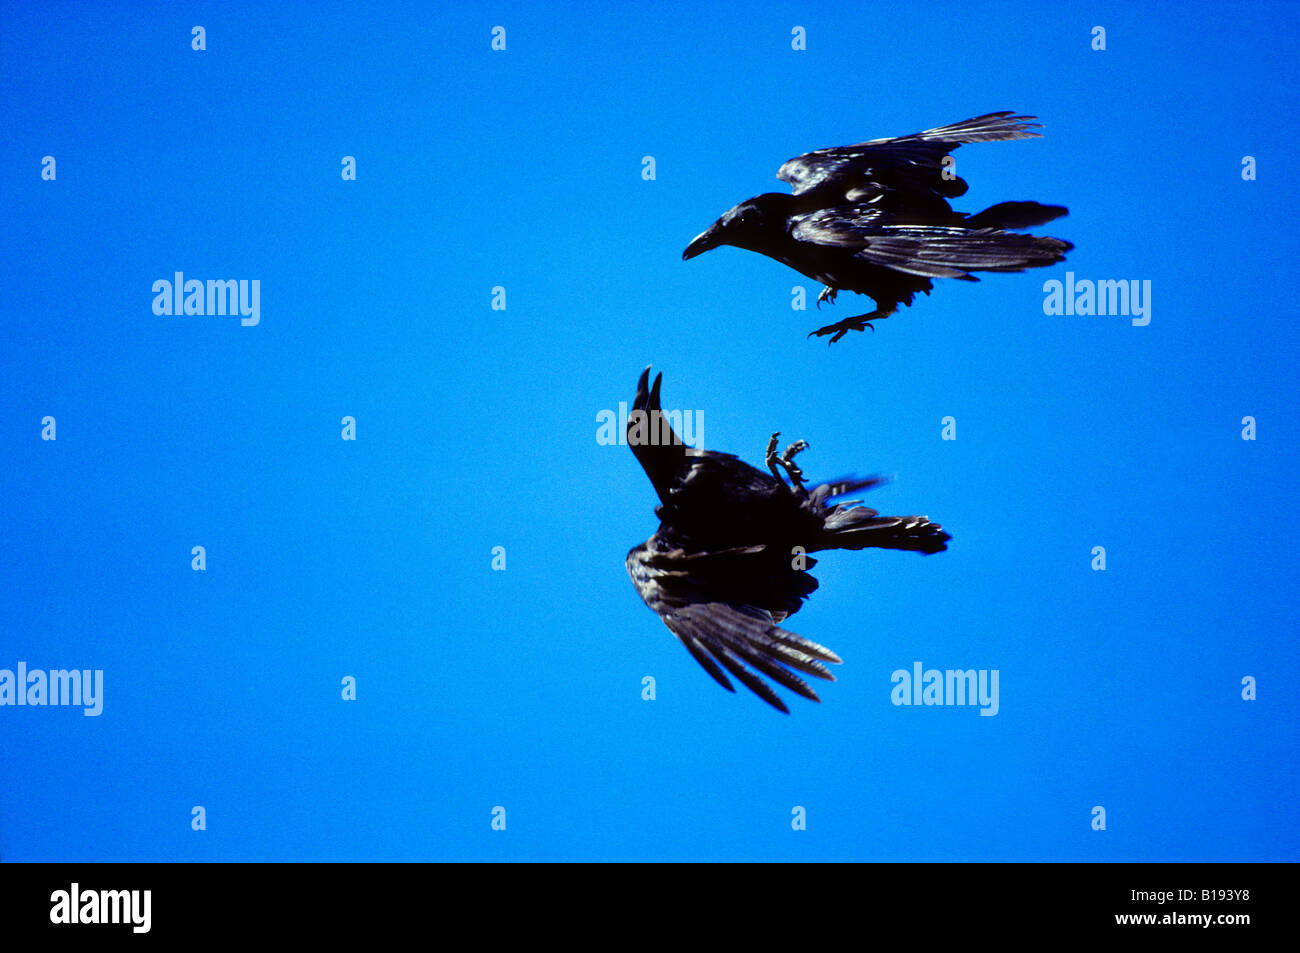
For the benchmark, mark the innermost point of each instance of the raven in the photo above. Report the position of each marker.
(874, 218)
(725, 565)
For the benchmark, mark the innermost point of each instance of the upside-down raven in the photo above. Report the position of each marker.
(725, 565)
(874, 218)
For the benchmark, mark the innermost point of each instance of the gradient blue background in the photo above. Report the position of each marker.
(477, 429)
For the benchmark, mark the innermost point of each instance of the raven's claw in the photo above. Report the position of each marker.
(860, 322)
(786, 461)
(771, 458)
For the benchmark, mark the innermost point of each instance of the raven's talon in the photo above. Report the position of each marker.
(787, 461)
(770, 458)
(836, 331)
(859, 322)
(827, 295)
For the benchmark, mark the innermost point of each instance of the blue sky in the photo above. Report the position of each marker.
(476, 429)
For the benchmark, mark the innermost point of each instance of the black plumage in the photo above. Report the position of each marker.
(723, 569)
(874, 218)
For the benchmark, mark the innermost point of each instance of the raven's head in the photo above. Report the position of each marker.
(749, 225)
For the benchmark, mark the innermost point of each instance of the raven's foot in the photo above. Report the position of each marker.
(786, 461)
(828, 295)
(859, 322)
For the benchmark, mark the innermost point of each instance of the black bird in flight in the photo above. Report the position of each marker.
(874, 218)
(723, 568)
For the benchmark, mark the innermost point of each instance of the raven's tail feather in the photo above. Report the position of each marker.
(1016, 215)
(859, 527)
(991, 127)
(942, 251)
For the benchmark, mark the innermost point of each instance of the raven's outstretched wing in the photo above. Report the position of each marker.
(911, 165)
(690, 593)
(933, 251)
(656, 445)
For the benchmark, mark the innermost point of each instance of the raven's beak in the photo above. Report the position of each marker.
(709, 238)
